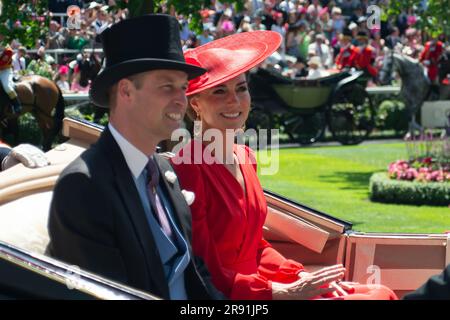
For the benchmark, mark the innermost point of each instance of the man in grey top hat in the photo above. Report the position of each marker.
(118, 210)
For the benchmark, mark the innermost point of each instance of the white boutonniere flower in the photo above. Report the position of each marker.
(188, 196)
(170, 176)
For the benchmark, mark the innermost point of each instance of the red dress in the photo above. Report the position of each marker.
(227, 225)
(227, 228)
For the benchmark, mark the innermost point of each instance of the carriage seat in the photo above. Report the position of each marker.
(271, 76)
(25, 193)
(24, 222)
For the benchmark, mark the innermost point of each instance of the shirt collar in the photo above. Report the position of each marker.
(135, 159)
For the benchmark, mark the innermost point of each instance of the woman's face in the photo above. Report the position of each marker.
(225, 106)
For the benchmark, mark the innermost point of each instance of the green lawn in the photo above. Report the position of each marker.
(335, 180)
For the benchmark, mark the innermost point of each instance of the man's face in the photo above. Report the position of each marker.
(54, 27)
(159, 105)
(101, 15)
(345, 41)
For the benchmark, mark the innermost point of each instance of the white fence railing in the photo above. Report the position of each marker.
(76, 96)
(61, 16)
(57, 52)
(383, 90)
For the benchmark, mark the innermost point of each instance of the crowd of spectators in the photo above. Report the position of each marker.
(64, 67)
(313, 33)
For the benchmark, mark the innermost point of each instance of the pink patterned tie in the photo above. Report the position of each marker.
(155, 201)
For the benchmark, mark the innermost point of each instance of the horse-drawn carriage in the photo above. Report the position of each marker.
(305, 108)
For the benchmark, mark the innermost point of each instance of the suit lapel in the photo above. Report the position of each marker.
(182, 213)
(130, 196)
(182, 216)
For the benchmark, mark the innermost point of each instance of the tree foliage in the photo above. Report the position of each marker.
(24, 20)
(434, 15)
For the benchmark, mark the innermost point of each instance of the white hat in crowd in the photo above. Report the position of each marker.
(314, 60)
(94, 4)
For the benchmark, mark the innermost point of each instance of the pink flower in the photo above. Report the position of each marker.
(227, 26)
(411, 174)
(411, 20)
(424, 170)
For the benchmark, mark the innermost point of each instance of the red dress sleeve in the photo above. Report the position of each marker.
(275, 267)
(271, 263)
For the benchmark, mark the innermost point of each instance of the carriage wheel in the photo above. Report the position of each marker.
(305, 129)
(258, 119)
(351, 117)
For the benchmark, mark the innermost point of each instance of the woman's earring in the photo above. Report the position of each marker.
(197, 127)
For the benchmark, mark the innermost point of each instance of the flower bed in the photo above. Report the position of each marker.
(421, 170)
(424, 179)
(385, 189)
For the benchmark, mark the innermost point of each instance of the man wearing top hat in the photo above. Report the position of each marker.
(117, 210)
(430, 56)
(365, 55)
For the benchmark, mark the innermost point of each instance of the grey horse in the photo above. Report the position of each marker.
(415, 87)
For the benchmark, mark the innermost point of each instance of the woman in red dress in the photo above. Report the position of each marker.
(229, 209)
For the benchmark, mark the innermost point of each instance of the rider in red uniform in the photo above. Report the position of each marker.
(6, 75)
(347, 54)
(365, 55)
(430, 58)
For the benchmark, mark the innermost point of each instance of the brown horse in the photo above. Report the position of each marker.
(39, 96)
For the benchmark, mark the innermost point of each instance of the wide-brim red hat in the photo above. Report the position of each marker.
(228, 57)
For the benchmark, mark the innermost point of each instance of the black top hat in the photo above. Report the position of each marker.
(347, 33)
(362, 35)
(136, 45)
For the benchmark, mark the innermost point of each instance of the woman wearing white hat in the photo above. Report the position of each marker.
(315, 69)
